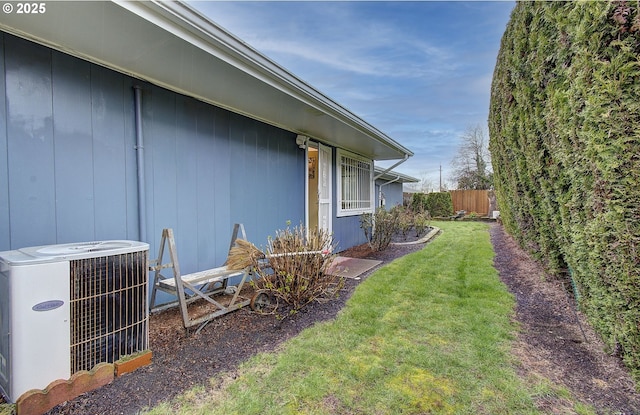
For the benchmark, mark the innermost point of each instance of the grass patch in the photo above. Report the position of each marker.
(427, 333)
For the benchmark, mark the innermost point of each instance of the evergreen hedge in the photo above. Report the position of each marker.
(564, 129)
(438, 204)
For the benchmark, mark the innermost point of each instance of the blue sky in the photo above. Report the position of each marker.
(419, 71)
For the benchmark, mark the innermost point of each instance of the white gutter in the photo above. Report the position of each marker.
(406, 157)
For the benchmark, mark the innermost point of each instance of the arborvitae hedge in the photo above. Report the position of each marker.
(438, 204)
(564, 129)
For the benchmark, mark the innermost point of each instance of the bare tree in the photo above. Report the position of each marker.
(427, 184)
(471, 164)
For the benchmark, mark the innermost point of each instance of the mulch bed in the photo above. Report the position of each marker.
(555, 339)
(551, 343)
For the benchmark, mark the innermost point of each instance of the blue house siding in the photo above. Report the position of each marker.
(392, 193)
(114, 164)
(29, 144)
(62, 182)
(69, 163)
(5, 235)
(347, 232)
(208, 169)
(71, 136)
(69, 171)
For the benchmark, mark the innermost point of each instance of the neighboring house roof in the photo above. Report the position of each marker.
(172, 45)
(392, 176)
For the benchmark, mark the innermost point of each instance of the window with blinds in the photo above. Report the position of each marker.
(355, 184)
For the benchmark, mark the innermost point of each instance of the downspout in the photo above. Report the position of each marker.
(384, 184)
(142, 205)
(390, 181)
(406, 157)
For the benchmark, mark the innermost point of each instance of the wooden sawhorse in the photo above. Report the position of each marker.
(202, 284)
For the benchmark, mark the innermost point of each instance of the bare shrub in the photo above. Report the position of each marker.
(380, 227)
(296, 267)
(421, 222)
(405, 220)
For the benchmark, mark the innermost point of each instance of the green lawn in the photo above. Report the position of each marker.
(427, 333)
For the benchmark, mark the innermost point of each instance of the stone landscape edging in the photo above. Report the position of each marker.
(432, 234)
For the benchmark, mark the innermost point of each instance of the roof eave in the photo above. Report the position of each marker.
(174, 46)
(394, 176)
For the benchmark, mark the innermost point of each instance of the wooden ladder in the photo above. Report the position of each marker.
(198, 285)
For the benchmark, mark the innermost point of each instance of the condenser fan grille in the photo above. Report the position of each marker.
(108, 308)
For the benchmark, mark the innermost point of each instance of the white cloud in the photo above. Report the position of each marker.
(419, 71)
(330, 34)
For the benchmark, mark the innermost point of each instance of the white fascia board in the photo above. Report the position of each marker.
(199, 30)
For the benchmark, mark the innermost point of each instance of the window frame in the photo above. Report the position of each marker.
(357, 163)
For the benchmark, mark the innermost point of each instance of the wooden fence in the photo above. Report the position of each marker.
(471, 200)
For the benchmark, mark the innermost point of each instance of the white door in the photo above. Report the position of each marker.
(324, 187)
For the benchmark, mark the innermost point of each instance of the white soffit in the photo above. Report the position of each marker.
(174, 46)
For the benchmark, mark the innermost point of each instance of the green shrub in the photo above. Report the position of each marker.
(564, 122)
(437, 204)
(418, 202)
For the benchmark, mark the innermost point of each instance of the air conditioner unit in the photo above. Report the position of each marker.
(65, 308)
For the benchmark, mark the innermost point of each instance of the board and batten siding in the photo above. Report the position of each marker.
(393, 193)
(68, 161)
(347, 231)
(5, 235)
(65, 165)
